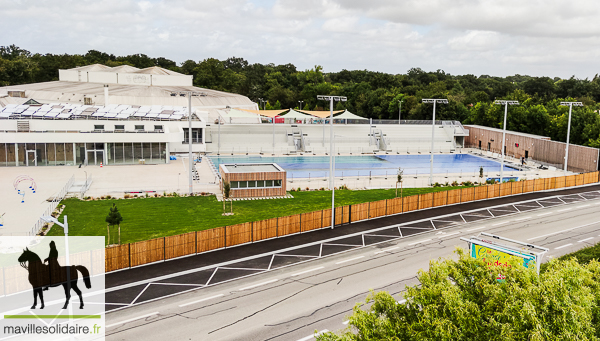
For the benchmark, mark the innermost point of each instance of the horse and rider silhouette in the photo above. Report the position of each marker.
(42, 276)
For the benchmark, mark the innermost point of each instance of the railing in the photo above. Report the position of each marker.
(165, 248)
(53, 204)
(86, 186)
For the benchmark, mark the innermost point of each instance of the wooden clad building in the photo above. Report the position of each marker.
(539, 148)
(254, 179)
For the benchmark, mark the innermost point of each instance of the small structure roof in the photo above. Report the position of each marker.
(349, 116)
(251, 167)
(321, 114)
(296, 115)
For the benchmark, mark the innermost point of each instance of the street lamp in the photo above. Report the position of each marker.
(570, 104)
(300, 104)
(189, 95)
(262, 101)
(400, 109)
(434, 101)
(331, 99)
(506, 104)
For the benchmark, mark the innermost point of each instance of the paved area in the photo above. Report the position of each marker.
(147, 283)
(290, 303)
(19, 218)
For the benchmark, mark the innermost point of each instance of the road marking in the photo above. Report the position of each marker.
(499, 223)
(566, 209)
(388, 249)
(310, 337)
(202, 300)
(420, 241)
(524, 218)
(448, 234)
(582, 206)
(306, 271)
(133, 319)
(586, 239)
(560, 247)
(543, 214)
(477, 228)
(572, 228)
(259, 284)
(349, 260)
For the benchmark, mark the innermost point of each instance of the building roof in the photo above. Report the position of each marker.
(508, 132)
(251, 167)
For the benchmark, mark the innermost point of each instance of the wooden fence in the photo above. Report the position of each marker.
(161, 249)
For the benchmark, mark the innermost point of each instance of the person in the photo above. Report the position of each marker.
(522, 160)
(52, 260)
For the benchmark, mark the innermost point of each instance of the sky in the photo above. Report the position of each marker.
(554, 38)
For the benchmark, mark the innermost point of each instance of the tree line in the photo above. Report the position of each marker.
(370, 94)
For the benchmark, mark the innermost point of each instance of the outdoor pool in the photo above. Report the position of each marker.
(364, 165)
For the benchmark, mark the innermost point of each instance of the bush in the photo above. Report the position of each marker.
(454, 183)
(447, 184)
(156, 195)
(467, 183)
(437, 184)
(127, 196)
(108, 197)
(135, 195)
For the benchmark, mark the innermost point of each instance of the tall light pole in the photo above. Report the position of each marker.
(506, 104)
(300, 104)
(400, 109)
(331, 99)
(189, 95)
(434, 101)
(570, 104)
(262, 101)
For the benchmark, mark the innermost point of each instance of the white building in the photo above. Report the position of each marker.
(95, 113)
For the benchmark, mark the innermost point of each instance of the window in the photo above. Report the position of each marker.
(158, 127)
(235, 184)
(243, 184)
(260, 183)
(119, 127)
(251, 184)
(196, 135)
(269, 183)
(98, 126)
(139, 127)
(277, 183)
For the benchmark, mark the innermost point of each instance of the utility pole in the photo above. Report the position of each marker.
(506, 104)
(434, 101)
(570, 104)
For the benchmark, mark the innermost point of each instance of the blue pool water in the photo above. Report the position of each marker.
(364, 165)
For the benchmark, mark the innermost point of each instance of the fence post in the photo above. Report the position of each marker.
(322, 218)
(164, 249)
(196, 243)
(386, 202)
(277, 227)
(225, 236)
(129, 255)
(252, 232)
(349, 214)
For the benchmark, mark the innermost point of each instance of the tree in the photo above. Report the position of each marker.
(226, 193)
(462, 300)
(399, 180)
(113, 218)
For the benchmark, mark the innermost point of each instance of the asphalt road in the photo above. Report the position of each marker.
(292, 302)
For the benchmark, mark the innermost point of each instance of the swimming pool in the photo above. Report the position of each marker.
(365, 165)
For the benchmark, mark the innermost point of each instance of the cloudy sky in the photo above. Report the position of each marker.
(541, 38)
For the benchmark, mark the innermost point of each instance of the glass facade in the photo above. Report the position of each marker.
(256, 184)
(60, 154)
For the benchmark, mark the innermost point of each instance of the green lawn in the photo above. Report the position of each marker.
(148, 218)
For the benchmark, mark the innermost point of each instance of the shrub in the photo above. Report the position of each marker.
(307, 189)
(135, 195)
(447, 184)
(156, 195)
(108, 197)
(454, 183)
(437, 184)
(127, 196)
(467, 183)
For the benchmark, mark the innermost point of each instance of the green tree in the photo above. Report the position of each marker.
(113, 218)
(462, 300)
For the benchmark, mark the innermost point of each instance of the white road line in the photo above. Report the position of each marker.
(566, 209)
(448, 234)
(560, 247)
(572, 228)
(202, 300)
(582, 206)
(477, 228)
(349, 260)
(420, 241)
(499, 223)
(310, 337)
(388, 249)
(306, 271)
(586, 239)
(259, 284)
(543, 214)
(524, 218)
(130, 320)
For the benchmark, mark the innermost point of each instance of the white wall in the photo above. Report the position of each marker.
(102, 77)
(172, 80)
(134, 79)
(68, 75)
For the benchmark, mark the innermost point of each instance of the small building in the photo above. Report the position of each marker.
(254, 180)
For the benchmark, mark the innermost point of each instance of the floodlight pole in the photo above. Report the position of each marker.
(570, 104)
(399, 110)
(434, 101)
(331, 155)
(300, 104)
(506, 104)
(191, 189)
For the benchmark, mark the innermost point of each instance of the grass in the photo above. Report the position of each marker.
(148, 218)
